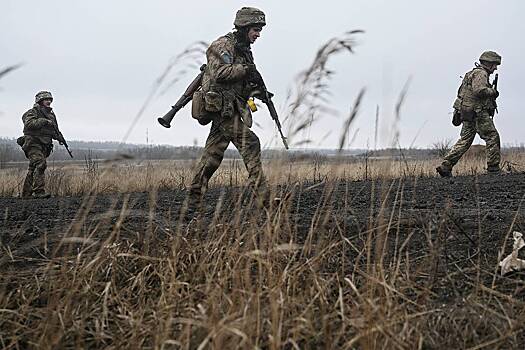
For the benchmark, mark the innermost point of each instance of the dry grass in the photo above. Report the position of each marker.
(5, 71)
(127, 176)
(246, 278)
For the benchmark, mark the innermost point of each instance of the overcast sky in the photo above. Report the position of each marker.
(100, 60)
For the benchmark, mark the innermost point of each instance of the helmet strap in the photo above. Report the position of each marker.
(241, 34)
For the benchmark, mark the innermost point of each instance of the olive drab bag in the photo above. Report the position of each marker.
(464, 105)
(198, 108)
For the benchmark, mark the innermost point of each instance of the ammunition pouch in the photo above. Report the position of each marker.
(468, 114)
(228, 103)
(198, 108)
(28, 142)
(466, 110)
(213, 101)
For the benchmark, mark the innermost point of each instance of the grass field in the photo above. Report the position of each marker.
(367, 253)
(95, 176)
(373, 264)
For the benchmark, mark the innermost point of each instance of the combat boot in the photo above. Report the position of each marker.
(193, 206)
(494, 169)
(444, 170)
(41, 195)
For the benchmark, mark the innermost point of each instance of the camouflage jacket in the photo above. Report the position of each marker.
(476, 93)
(41, 124)
(227, 73)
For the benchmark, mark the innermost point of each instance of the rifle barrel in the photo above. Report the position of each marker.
(271, 108)
(275, 117)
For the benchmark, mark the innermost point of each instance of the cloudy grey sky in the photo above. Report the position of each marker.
(101, 58)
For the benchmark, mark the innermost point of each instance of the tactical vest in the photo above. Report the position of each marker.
(47, 131)
(227, 98)
(467, 103)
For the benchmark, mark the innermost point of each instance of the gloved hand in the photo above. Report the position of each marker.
(252, 75)
(43, 122)
(61, 139)
(493, 93)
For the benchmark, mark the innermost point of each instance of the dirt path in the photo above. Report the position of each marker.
(468, 217)
(424, 248)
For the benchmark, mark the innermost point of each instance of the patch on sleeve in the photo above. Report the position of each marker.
(226, 58)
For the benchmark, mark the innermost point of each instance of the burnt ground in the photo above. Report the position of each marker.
(476, 214)
(464, 222)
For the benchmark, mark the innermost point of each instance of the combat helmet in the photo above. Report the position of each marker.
(491, 57)
(249, 16)
(43, 95)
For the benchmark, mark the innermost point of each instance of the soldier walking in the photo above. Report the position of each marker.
(40, 128)
(226, 86)
(476, 105)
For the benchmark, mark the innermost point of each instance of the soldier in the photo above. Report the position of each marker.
(40, 128)
(476, 104)
(227, 85)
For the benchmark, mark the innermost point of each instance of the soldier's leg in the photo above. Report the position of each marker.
(27, 188)
(487, 131)
(468, 132)
(39, 177)
(34, 183)
(249, 147)
(211, 159)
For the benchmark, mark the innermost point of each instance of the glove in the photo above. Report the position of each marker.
(493, 93)
(251, 73)
(42, 123)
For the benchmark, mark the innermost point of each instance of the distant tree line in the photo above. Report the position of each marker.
(11, 152)
(82, 150)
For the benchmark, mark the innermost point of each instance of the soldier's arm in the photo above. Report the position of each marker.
(220, 59)
(481, 86)
(59, 137)
(33, 122)
(58, 134)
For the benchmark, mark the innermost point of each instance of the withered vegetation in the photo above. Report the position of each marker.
(375, 254)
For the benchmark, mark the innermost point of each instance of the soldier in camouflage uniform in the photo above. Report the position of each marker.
(40, 128)
(227, 85)
(476, 104)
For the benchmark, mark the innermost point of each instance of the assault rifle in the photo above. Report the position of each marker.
(495, 87)
(266, 97)
(186, 97)
(61, 140)
(64, 143)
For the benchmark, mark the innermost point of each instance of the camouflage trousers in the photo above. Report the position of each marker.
(223, 131)
(484, 126)
(35, 181)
